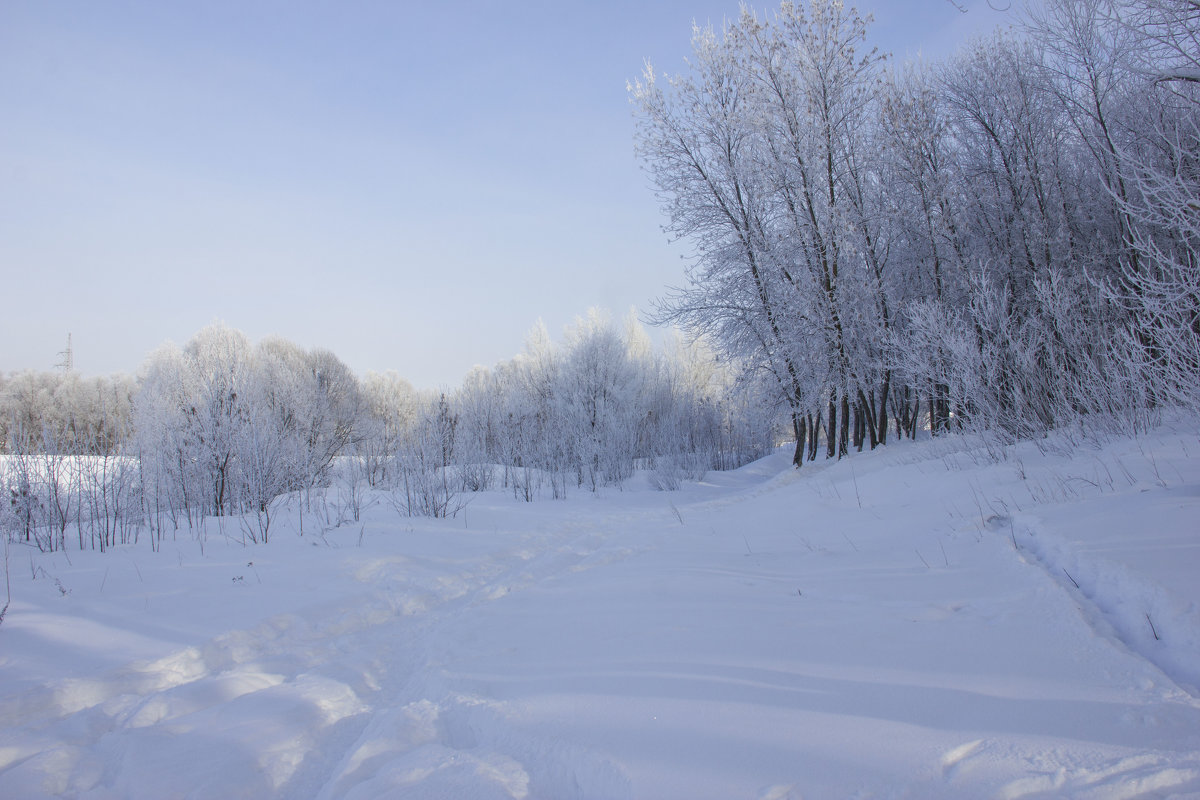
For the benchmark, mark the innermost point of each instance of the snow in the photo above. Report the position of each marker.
(923, 621)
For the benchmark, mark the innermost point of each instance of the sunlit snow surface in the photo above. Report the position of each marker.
(918, 622)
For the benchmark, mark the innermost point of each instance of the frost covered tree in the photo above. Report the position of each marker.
(422, 469)
(819, 93)
(698, 137)
(1160, 281)
(477, 405)
(225, 428)
(189, 414)
(760, 157)
(316, 403)
(390, 407)
(67, 409)
(1001, 240)
(599, 391)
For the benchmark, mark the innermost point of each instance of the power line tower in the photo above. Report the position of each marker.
(68, 358)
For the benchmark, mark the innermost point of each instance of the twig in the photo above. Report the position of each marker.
(749, 552)
(1152, 630)
(946, 557)
(923, 561)
(979, 507)
(1072, 579)
(847, 538)
(678, 516)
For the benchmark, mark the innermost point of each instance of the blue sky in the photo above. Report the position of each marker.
(411, 186)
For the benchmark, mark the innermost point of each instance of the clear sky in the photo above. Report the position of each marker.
(410, 185)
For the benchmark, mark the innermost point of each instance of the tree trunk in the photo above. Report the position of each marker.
(799, 426)
(932, 411)
(831, 428)
(868, 415)
(884, 391)
(943, 406)
(845, 429)
(857, 435)
(915, 417)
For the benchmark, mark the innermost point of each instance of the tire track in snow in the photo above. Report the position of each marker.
(1118, 603)
(425, 735)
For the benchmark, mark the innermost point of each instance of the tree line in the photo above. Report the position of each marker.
(224, 428)
(1005, 239)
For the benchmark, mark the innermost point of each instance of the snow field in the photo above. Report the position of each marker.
(904, 623)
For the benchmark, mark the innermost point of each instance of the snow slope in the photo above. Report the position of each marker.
(918, 622)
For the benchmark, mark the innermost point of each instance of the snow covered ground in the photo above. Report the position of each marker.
(918, 622)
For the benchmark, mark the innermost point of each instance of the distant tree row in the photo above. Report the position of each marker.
(63, 411)
(221, 427)
(586, 413)
(1006, 239)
